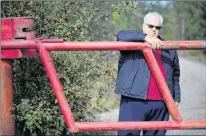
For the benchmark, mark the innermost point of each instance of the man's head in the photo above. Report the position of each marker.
(152, 23)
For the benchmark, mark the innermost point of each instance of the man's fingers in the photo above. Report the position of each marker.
(177, 103)
(153, 45)
(157, 45)
(160, 42)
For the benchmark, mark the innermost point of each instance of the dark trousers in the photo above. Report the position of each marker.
(142, 110)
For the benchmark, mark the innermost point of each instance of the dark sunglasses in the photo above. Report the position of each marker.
(156, 27)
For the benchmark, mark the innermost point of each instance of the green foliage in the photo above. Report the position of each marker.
(192, 20)
(35, 105)
(184, 20)
(194, 16)
(129, 15)
(36, 109)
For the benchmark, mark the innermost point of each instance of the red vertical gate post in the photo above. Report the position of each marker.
(161, 83)
(7, 121)
(12, 28)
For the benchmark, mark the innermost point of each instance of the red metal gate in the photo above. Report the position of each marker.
(12, 28)
(17, 42)
(45, 45)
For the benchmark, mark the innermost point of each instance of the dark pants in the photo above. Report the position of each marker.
(142, 110)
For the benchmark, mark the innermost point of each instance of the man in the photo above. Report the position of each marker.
(140, 97)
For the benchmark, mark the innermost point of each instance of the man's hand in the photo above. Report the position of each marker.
(154, 41)
(177, 103)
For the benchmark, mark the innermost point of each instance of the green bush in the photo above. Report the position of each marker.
(36, 109)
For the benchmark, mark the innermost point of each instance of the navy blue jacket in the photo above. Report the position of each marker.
(134, 74)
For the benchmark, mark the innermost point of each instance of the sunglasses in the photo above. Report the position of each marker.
(156, 27)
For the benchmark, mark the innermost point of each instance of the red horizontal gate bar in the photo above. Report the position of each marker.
(59, 45)
(149, 125)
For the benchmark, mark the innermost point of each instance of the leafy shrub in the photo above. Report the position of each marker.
(36, 109)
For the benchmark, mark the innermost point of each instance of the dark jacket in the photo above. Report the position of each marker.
(134, 74)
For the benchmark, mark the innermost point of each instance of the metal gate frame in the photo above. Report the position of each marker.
(45, 45)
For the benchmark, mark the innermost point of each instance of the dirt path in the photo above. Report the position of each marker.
(193, 105)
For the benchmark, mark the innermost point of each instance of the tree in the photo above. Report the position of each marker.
(194, 16)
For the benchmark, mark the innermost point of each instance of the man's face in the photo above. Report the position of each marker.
(152, 28)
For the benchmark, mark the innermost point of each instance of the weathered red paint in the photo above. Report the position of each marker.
(19, 44)
(105, 45)
(161, 83)
(59, 45)
(16, 28)
(7, 126)
(12, 28)
(141, 125)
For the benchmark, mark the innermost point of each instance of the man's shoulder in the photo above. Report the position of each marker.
(130, 30)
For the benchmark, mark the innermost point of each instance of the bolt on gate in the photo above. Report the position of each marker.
(45, 45)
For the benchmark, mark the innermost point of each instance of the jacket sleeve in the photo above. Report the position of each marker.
(130, 36)
(176, 78)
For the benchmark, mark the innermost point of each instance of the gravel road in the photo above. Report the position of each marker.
(193, 105)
